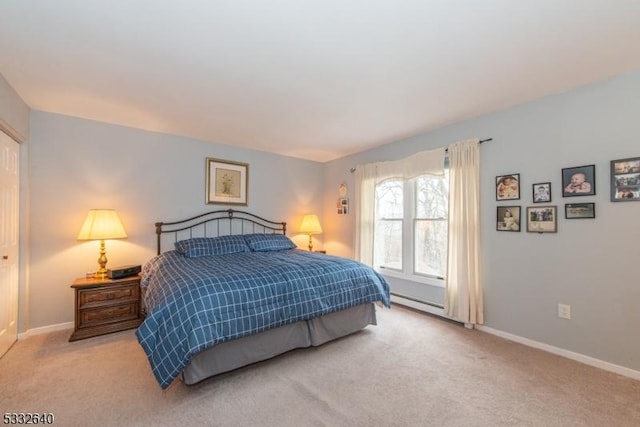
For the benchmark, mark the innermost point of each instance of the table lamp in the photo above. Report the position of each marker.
(102, 224)
(310, 225)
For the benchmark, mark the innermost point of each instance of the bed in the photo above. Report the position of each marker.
(233, 289)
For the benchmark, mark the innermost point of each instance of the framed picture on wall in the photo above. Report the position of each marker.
(579, 210)
(542, 192)
(227, 182)
(579, 181)
(625, 180)
(508, 187)
(343, 206)
(542, 219)
(508, 218)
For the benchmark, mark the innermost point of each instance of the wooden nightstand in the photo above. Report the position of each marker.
(104, 306)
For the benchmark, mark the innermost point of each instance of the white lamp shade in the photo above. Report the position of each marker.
(102, 224)
(310, 225)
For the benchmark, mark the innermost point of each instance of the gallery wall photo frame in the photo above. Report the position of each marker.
(625, 180)
(579, 181)
(542, 219)
(508, 187)
(227, 182)
(542, 192)
(342, 206)
(579, 210)
(508, 218)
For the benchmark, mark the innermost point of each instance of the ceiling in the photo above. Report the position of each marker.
(315, 79)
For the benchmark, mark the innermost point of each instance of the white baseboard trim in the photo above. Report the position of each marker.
(587, 360)
(45, 329)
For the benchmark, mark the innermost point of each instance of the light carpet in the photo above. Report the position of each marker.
(412, 369)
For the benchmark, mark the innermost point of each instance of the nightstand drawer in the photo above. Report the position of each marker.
(105, 305)
(108, 314)
(113, 294)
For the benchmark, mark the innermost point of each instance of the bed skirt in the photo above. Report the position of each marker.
(255, 348)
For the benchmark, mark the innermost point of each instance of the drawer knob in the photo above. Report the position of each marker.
(111, 296)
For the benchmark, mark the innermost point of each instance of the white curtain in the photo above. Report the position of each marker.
(463, 287)
(364, 212)
(369, 175)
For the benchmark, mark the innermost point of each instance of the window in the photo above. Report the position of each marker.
(389, 224)
(411, 226)
(431, 227)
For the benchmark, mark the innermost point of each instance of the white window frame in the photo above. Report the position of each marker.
(402, 220)
(408, 241)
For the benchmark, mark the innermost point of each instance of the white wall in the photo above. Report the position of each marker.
(76, 165)
(590, 264)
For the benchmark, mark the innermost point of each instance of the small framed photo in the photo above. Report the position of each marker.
(542, 192)
(508, 218)
(343, 206)
(227, 182)
(508, 187)
(579, 210)
(625, 180)
(579, 181)
(542, 219)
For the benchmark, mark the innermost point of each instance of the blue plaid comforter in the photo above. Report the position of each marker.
(195, 303)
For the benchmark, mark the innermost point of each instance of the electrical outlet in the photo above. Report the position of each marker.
(564, 311)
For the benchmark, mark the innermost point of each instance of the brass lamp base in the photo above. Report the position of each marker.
(102, 261)
(310, 243)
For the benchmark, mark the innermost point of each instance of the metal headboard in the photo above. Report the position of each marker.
(218, 223)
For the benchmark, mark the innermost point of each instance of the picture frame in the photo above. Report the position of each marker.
(542, 192)
(508, 218)
(579, 210)
(579, 181)
(542, 219)
(342, 206)
(625, 180)
(508, 187)
(227, 182)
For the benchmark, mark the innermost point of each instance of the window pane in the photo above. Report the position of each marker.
(389, 213)
(432, 196)
(431, 247)
(389, 199)
(387, 249)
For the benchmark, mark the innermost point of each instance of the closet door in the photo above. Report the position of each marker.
(9, 226)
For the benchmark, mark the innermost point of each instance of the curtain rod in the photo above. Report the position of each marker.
(445, 150)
